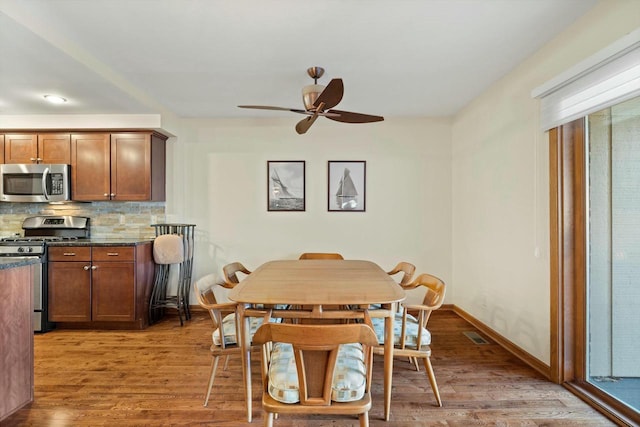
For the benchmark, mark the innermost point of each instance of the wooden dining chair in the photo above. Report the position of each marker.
(412, 339)
(316, 369)
(230, 272)
(225, 324)
(320, 255)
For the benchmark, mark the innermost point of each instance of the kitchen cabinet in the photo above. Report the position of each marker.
(16, 336)
(37, 148)
(1, 149)
(120, 166)
(100, 286)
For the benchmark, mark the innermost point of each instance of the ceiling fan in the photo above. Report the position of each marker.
(319, 101)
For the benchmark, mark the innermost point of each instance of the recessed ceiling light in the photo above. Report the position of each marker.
(55, 99)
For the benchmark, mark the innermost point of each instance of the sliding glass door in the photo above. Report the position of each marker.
(613, 252)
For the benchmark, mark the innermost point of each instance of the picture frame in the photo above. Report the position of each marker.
(286, 186)
(346, 185)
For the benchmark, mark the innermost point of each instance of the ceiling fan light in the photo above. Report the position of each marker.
(310, 93)
(55, 99)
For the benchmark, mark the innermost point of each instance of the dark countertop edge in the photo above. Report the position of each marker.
(103, 242)
(12, 262)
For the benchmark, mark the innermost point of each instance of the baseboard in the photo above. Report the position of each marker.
(521, 354)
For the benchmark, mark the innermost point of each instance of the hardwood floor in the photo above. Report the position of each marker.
(158, 377)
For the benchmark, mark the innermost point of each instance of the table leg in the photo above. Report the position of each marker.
(245, 344)
(388, 360)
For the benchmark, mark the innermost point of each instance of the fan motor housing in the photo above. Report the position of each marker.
(309, 95)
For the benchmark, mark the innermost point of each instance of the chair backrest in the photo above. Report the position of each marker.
(231, 271)
(207, 300)
(320, 255)
(434, 296)
(315, 349)
(406, 268)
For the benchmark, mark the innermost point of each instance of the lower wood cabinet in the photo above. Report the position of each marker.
(16, 339)
(100, 286)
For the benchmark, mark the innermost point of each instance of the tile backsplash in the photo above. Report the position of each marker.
(108, 219)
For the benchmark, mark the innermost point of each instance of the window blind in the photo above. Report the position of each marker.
(607, 78)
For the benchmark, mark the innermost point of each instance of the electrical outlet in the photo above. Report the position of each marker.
(122, 220)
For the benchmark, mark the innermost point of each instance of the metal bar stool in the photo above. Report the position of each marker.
(175, 243)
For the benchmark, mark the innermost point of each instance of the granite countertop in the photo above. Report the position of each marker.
(127, 241)
(11, 262)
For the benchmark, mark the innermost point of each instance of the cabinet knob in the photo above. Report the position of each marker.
(106, 194)
(33, 159)
(68, 254)
(113, 194)
(94, 267)
(86, 268)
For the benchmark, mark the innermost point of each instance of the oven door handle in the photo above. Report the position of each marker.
(45, 173)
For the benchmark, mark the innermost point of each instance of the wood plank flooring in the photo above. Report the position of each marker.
(158, 377)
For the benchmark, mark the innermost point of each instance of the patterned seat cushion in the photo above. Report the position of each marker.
(411, 331)
(229, 329)
(349, 377)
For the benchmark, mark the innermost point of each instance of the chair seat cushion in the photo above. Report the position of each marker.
(411, 332)
(349, 377)
(229, 329)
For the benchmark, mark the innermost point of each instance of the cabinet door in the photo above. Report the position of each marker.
(131, 166)
(1, 149)
(21, 148)
(70, 291)
(54, 148)
(113, 291)
(90, 167)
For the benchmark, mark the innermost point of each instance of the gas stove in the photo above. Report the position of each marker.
(40, 230)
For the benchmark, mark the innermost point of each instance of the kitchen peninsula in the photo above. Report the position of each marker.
(16, 334)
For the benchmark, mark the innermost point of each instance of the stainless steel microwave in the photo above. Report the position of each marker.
(34, 183)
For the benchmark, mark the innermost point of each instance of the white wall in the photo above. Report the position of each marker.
(219, 183)
(500, 186)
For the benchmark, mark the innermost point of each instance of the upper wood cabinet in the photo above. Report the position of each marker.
(37, 148)
(121, 166)
(1, 149)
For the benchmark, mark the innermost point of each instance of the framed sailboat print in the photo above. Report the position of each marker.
(285, 185)
(347, 186)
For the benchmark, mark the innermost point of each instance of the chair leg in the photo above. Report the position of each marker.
(212, 376)
(414, 360)
(432, 380)
(226, 362)
(268, 419)
(364, 419)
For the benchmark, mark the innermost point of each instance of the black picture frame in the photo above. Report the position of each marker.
(286, 186)
(346, 185)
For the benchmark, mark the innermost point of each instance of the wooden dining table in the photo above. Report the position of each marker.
(318, 289)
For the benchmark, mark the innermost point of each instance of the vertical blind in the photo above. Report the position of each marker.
(607, 78)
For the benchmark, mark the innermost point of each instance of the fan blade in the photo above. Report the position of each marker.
(303, 125)
(268, 107)
(350, 117)
(295, 110)
(331, 95)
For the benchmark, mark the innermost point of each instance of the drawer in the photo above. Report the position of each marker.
(69, 253)
(113, 253)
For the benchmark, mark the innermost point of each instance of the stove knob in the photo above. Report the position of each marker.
(20, 249)
(30, 249)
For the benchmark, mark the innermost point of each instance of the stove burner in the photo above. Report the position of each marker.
(38, 239)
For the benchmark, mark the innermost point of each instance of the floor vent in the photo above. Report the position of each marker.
(476, 338)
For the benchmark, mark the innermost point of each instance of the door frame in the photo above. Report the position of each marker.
(568, 311)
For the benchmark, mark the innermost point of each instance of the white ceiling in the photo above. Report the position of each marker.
(201, 58)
